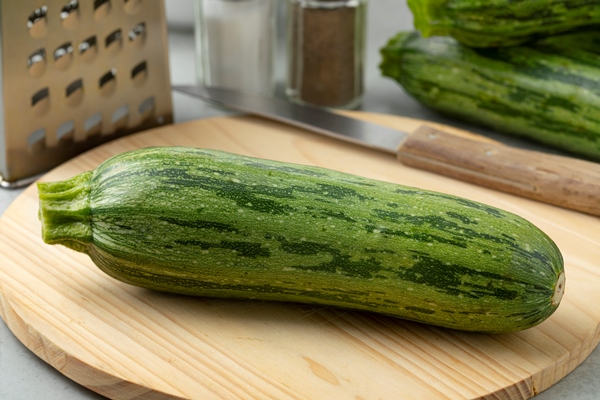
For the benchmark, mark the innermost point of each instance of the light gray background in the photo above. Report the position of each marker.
(23, 376)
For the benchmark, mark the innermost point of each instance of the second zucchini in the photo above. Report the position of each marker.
(547, 91)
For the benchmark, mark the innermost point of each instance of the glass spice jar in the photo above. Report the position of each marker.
(326, 52)
(235, 44)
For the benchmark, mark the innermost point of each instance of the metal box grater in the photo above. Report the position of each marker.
(75, 74)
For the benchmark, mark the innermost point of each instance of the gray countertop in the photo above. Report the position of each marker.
(23, 376)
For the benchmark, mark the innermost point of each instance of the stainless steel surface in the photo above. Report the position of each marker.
(24, 376)
(304, 116)
(4, 184)
(77, 74)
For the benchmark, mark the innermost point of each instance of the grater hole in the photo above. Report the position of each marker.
(139, 73)
(120, 117)
(107, 77)
(101, 8)
(69, 14)
(113, 40)
(37, 22)
(36, 16)
(36, 142)
(63, 55)
(74, 86)
(88, 48)
(146, 108)
(92, 126)
(108, 82)
(39, 96)
(74, 92)
(66, 133)
(137, 33)
(36, 62)
(36, 57)
(132, 6)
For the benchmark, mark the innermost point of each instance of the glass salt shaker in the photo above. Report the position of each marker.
(326, 52)
(235, 44)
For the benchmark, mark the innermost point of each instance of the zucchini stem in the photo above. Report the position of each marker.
(429, 18)
(65, 212)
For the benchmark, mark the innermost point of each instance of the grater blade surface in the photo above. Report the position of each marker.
(76, 74)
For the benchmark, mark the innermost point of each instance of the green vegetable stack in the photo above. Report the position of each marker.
(524, 67)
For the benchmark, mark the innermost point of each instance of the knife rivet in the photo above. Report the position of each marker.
(490, 152)
(432, 135)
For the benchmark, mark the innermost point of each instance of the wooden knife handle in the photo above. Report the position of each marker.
(562, 181)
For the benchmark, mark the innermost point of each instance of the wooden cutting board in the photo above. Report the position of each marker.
(128, 343)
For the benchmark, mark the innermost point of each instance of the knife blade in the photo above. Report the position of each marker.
(558, 180)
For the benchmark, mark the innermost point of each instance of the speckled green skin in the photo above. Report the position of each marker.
(493, 23)
(209, 223)
(547, 91)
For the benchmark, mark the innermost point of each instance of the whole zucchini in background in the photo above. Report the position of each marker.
(209, 223)
(547, 91)
(497, 23)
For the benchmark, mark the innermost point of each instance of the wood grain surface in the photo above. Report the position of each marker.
(128, 343)
(559, 180)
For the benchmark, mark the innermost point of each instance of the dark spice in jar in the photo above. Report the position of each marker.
(326, 60)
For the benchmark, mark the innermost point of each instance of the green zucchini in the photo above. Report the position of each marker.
(547, 91)
(496, 23)
(209, 223)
